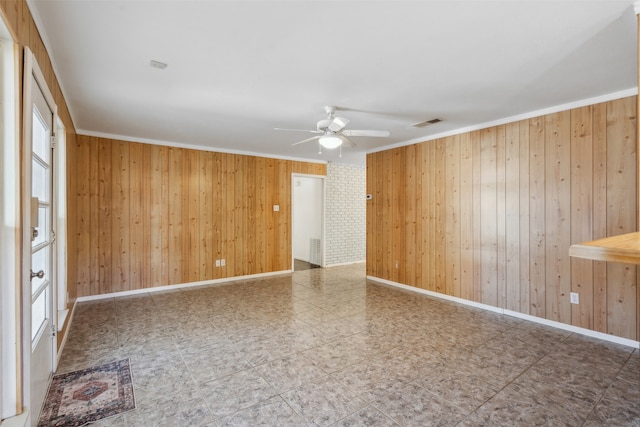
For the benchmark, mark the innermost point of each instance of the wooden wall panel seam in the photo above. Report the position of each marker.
(527, 190)
(153, 216)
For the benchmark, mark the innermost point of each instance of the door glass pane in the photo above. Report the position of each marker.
(40, 181)
(41, 145)
(43, 226)
(38, 313)
(39, 261)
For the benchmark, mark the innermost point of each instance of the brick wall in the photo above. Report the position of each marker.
(345, 213)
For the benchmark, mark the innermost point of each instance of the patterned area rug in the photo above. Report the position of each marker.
(80, 397)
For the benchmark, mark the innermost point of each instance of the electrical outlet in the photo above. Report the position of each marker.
(223, 262)
(397, 264)
(575, 298)
(217, 263)
(276, 208)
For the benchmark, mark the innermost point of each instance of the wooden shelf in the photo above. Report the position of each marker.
(623, 248)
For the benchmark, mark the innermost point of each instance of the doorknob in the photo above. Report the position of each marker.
(39, 274)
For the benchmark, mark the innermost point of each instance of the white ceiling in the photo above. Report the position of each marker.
(237, 69)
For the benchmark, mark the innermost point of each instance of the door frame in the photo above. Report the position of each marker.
(323, 236)
(10, 238)
(31, 68)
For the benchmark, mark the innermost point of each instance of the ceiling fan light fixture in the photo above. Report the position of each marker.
(330, 141)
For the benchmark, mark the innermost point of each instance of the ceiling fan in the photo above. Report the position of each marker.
(332, 133)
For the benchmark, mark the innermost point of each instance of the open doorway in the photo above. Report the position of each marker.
(307, 236)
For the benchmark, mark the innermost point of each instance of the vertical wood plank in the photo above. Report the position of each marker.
(156, 216)
(581, 213)
(452, 216)
(557, 216)
(621, 214)
(423, 156)
(466, 218)
(600, 213)
(387, 220)
(397, 214)
(93, 181)
(25, 20)
(83, 225)
(250, 207)
(271, 173)
(512, 225)
(261, 215)
(166, 217)
(537, 238)
(501, 217)
(488, 217)
(72, 219)
(136, 226)
(525, 212)
(176, 233)
(430, 207)
(419, 249)
(206, 256)
(239, 261)
(382, 208)
(120, 237)
(284, 219)
(409, 212)
(147, 231)
(192, 198)
(439, 216)
(105, 197)
(476, 143)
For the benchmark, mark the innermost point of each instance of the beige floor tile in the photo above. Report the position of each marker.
(326, 346)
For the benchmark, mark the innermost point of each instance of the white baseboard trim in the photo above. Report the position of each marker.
(21, 420)
(66, 335)
(62, 316)
(528, 317)
(578, 330)
(180, 286)
(341, 264)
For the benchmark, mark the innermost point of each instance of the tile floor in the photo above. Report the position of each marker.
(327, 347)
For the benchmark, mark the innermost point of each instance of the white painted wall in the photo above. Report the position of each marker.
(307, 214)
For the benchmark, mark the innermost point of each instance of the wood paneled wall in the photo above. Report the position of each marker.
(18, 18)
(146, 215)
(489, 215)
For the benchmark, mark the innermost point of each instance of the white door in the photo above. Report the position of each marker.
(42, 274)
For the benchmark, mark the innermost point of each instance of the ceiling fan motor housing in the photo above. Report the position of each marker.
(323, 125)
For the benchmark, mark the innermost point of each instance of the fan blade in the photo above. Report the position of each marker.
(375, 133)
(349, 142)
(305, 140)
(299, 130)
(338, 123)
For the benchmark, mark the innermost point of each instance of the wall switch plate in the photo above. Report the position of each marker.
(223, 262)
(217, 263)
(575, 298)
(276, 208)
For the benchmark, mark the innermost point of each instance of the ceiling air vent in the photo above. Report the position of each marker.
(426, 123)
